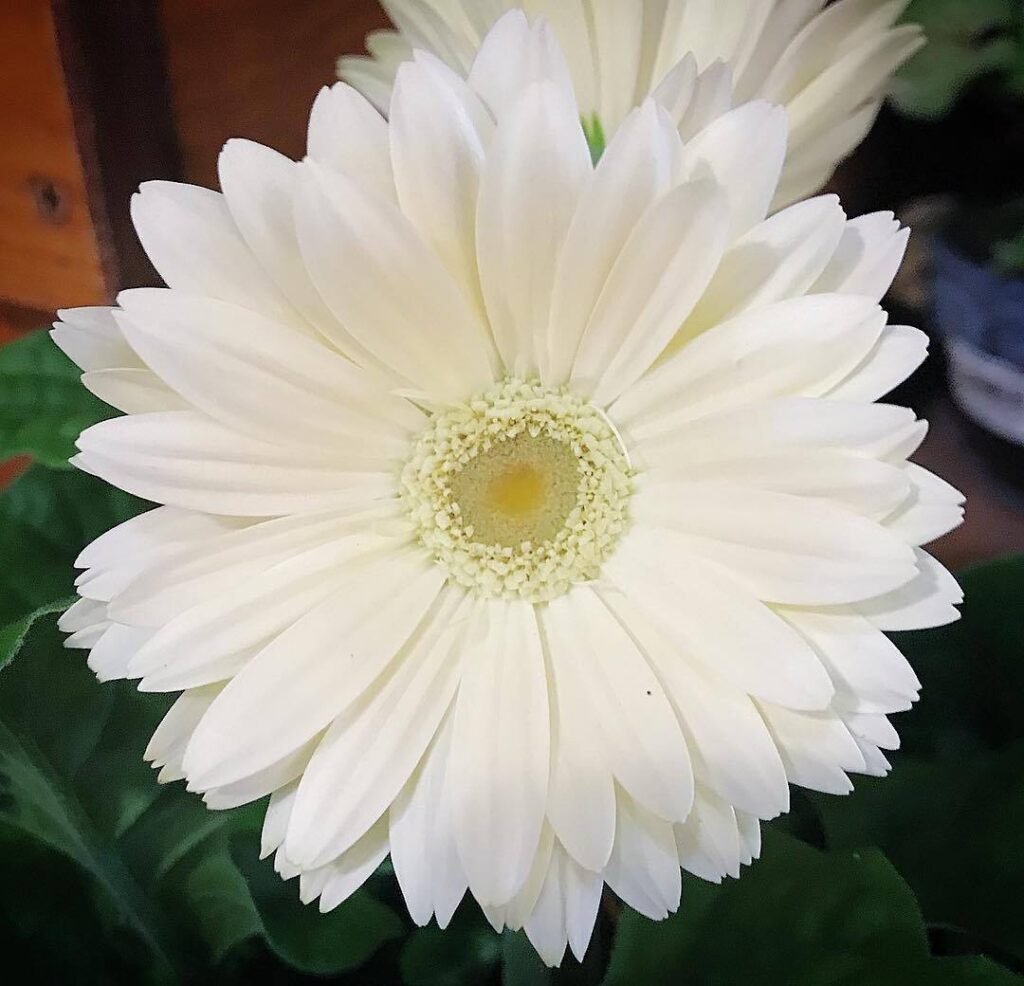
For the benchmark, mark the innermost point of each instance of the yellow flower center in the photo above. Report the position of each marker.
(520, 492)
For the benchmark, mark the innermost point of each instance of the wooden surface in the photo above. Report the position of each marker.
(251, 68)
(48, 252)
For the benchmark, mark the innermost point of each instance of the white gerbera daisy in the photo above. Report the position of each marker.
(697, 58)
(527, 520)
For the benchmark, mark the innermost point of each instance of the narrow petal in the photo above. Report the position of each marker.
(193, 462)
(635, 722)
(92, 339)
(256, 375)
(708, 614)
(658, 278)
(644, 869)
(438, 133)
(371, 750)
(346, 133)
(422, 836)
(743, 151)
(298, 684)
(867, 257)
(816, 747)
(531, 180)
(635, 170)
(193, 242)
(500, 750)
(868, 670)
(732, 751)
(394, 286)
(782, 548)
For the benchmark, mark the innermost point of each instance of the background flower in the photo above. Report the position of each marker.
(830, 68)
(341, 337)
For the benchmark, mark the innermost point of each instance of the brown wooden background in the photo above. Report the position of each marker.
(97, 95)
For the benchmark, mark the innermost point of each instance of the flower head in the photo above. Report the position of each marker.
(830, 68)
(525, 519)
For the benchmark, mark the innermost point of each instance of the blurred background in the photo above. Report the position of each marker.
(98, 95)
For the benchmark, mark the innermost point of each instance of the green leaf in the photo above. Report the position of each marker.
(799, 917)
(13, 635)
(966, 41)
(463, 954)
(43, 405)
(521, 965)
(164, 889)
(306, 939)
(971, 671)
(953, 829)
(46, 518)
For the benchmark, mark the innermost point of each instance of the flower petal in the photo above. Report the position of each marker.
(500, 750)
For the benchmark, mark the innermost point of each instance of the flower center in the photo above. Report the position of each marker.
(521, 492)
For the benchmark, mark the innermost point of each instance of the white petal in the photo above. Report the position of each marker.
(423, 849)
(897, 354)
(260, 187)
(513, 56)
(396, 298)
(658, 278)
(500, 750)
(352, 869)
(212, 567)
(781, 548)
(133, 391)
(275, 821)
(732, 752)
(816, 748)
(788, 423)
(193, 462)
(634, 721)
(91, 338)
(708, 615)
(644, 869)
(708, 842)
(531, 180)
(196, 247)
(928, 601)
(743, 151)
(617, 46)
(258, 376)
(438, 134)
(170, 738)
(229, 627)
(113, 651)
(296, 685)
(779, 258)
(581, 795)
(348, 134)
(867, 257)
(856, 482)
(797, 347)
(153, 531)
(371, 749)
(869, 672)
(635, 170)
(259, 784)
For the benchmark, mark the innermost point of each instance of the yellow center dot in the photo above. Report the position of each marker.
(519, 490)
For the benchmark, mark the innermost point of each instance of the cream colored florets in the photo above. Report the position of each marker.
(520, 492)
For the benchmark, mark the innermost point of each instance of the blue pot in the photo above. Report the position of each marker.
(980, 316)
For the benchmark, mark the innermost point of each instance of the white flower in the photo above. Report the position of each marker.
(529, 521)
(830, 68)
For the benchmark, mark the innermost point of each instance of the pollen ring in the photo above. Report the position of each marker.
(520, 492)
